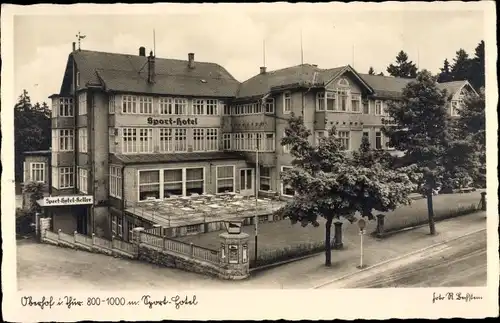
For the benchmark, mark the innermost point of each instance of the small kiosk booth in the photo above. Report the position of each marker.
(234, 251)
(69, 213)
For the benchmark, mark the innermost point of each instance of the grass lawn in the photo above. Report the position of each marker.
(276, 236)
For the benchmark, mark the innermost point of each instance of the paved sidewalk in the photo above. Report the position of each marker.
(312, 272)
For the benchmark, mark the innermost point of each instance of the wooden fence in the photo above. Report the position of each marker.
(190, 250)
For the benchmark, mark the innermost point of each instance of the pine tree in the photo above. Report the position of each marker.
(461, 68)
(371, 71)
(403, 68)
(477, 73)
(330, 184)
(445, 75)
(31, 129)
(420, 129)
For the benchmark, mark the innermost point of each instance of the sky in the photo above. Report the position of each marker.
(235, 39)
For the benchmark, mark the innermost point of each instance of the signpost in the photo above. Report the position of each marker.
(361, 225)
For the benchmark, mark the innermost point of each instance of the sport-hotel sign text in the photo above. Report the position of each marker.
(66, 200)
(173, 121)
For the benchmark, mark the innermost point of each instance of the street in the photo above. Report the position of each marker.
(461, 262)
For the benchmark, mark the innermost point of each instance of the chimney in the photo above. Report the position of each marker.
(74, 46)
(262, 70)
(142, 51)
(151, 68)
(191, 60)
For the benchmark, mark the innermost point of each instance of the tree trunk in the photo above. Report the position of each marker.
(430, 213)
(328, 242)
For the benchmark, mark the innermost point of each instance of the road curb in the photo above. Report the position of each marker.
(396, 258)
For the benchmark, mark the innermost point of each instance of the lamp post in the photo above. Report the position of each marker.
(361, 225)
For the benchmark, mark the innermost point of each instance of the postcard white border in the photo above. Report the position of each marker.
(251, 304)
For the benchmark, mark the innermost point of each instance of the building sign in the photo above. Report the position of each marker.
(66, 200)
(173, 121)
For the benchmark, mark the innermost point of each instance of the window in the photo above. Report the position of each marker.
(65, 139)
(145, 105)
(65, 107)
(367, 135)
(180, 106)
(172, 183)
(318, 135)
(198, 139)
(225, 179)
(195, 181)
(226, 109)
(286, 190)
(286, 148)
(119, 226)
(385, 105)
(37, 172)
(145, 140)
(129, 104)
(82, 180)
(115, 181)
(265, 179)
(111, 103)
(82, 103)
(166, 106)
(366, 107)
(287, 102)
(149, 185)
(378, 108)
(226, 141)
(269, 143)
(269, 105)
(344, 137)
(180, 139)
(343, 82)
(378, 140)
(113, 224)
(326, 100)
(344, 100)
(356, 103)
(82, 140)
(212, 107)
(77, 80)
(212, 139)
(129, 140)
(198, 106)
(320, 101)
(455, 105)
(166, 141)
(66, 177)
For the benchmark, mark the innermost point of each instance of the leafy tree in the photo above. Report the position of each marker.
(330, 184)
(403, 68)
(445, 75)
(420, 129)
(31, 129)
(471, 128)
(371, 71)
(34, 192)
(368, 157)
(461, 68)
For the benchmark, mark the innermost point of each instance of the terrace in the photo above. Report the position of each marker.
(196, 209)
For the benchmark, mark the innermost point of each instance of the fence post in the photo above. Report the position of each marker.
(74, 236)
(164, 243)
(59, 234)
(192, 249)
(93, 239)
(483, 201)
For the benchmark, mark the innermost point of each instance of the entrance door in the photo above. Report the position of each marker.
(81, 219)
(246, 182)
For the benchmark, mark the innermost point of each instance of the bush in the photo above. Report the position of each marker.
(269, 256)
(24, 223)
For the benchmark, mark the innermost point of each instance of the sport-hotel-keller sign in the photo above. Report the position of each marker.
(66, 200)
(173, 121)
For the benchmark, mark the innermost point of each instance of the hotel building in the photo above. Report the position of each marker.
(131, 129)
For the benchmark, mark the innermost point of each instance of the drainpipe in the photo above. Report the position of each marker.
(75, 130)
(90, 103)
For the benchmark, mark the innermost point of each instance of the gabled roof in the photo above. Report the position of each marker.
(455, 86)
(386, 86)
(128, 73)
(305, 75)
